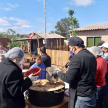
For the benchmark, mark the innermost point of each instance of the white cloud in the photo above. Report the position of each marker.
(66, 8)
(7, 9)
(2, 30)
(4, 22)
(5, 18)
(20, 22)
(11, 6)
(82, 2)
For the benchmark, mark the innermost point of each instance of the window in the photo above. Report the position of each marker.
(93, 41)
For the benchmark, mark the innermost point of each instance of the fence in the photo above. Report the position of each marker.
(62, 47)
(58, 57)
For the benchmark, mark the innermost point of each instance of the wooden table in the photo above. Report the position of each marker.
(64, 104)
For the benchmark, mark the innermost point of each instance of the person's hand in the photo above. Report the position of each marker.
(33, 78)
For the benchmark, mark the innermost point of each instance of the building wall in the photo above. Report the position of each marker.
(5, 41)
(93, 33)
(104, 38)
(84, 38)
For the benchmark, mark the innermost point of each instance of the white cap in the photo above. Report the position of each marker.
(105, 45)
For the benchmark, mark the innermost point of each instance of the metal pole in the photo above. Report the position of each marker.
(45, 21)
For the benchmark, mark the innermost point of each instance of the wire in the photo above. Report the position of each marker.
(55, 8)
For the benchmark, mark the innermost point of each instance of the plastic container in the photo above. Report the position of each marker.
(36, 71)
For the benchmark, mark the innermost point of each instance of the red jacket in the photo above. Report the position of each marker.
(101, 72)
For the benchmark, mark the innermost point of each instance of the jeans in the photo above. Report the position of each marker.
(86, 102)
(100, 95)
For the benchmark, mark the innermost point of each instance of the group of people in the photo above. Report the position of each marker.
(86, 75)
(12, 83)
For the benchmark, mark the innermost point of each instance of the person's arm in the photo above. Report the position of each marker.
(97, 70)
(15, 83)
(73, 71)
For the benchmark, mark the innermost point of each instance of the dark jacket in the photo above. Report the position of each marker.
(12, 85)
(106, 58)
(46, 60)
(81, 73)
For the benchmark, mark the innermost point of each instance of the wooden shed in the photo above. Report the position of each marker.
(38, 39)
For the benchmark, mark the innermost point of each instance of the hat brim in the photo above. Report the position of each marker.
(100, 46)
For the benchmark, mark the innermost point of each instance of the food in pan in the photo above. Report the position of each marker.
(45, 85)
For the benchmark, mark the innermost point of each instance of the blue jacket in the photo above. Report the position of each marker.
(43, 72)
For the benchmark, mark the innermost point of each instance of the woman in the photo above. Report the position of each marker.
(100, 75)
(12, 84)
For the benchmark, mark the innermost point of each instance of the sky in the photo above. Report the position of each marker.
(27, 16)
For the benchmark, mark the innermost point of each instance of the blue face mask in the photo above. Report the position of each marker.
(72, 53)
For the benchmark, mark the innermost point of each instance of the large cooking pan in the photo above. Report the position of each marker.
(46, 98)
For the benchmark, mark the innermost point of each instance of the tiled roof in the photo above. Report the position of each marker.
(97, 26)
(49, 35)
(42, 35)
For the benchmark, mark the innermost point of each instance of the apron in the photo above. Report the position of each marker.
(72, 95)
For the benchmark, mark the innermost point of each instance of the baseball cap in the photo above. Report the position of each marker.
(100, 43)
(105, 45)
(76, 41)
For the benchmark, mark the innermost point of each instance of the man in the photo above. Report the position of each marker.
(45, 58)
(2, 52)
(105, 50)
(100, 44)
(80, 76)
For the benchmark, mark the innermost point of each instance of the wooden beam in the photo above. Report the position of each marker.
(57, 43)
(51, 45)
(60, 43)
(38, 44)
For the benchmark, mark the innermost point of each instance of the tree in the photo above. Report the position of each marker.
(71, 12)
(62, 27)
(13, 43)
(73, 22)
(65, 24)
(52, 31)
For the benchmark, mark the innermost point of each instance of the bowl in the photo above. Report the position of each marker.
(36, 71)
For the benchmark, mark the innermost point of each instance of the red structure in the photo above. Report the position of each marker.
(5, 41)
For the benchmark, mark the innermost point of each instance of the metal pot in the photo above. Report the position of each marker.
(46, 99)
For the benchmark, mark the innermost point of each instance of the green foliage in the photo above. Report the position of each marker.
(13, 43)
(52, 31)
(11, 34)
(65, 24)
(73, 23)
(75, 32)
(71, 12)
(62, 27)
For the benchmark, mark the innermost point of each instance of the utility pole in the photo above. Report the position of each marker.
(45, 22)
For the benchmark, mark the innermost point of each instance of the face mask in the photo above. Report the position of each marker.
(72, 53)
